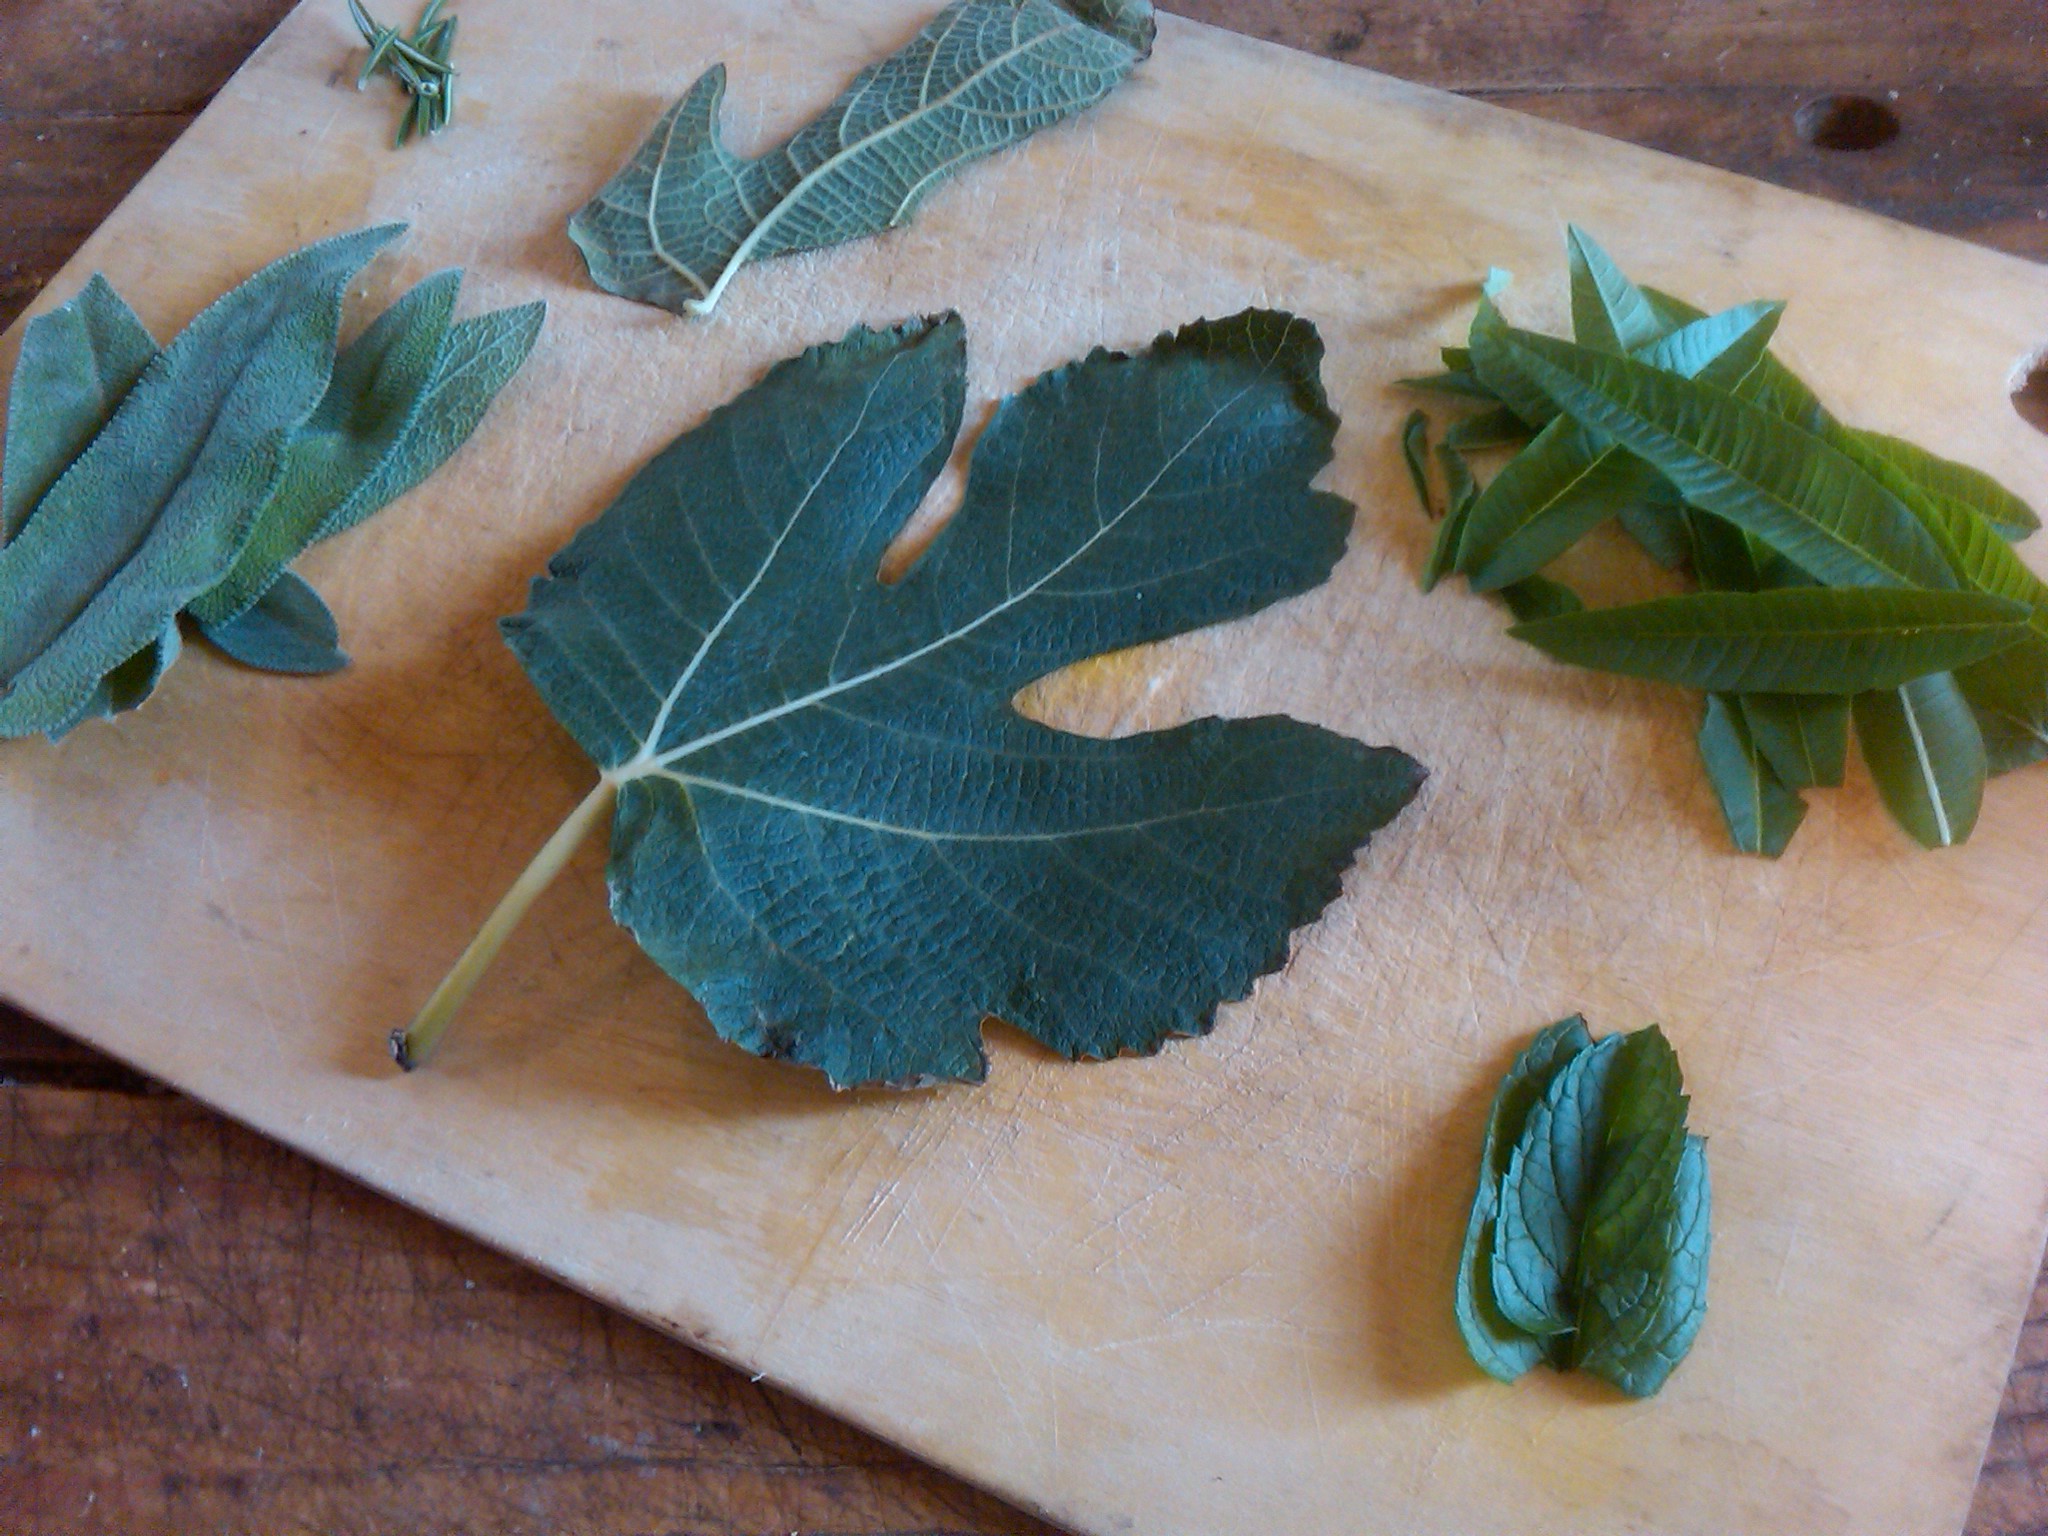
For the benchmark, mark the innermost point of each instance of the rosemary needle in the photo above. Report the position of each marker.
(418, 63)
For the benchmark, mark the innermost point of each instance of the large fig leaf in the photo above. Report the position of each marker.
(686, 213)
(134, 530)
(832, 824)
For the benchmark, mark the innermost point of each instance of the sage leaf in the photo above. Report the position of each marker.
(1761, 809)
(157, 508)
(1609, 312)
(1739, 461)
(1545, 1194)
(1500, 1349)
(129, 685)
(372, 400)
(1803, 736)
(686, 214)
(1637, 1347)
(1926, 754)
(287, 629)
(1794, 640)
(77, 363)
(831, 823)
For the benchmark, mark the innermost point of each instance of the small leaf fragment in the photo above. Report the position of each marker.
(675, 225)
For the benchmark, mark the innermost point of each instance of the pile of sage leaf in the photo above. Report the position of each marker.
(1588, 1239)
(1840, 573)
(139, 485)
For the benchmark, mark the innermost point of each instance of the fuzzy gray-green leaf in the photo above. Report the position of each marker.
(1761, 810)
(156, 510)
(686, 214)
(1793, 640)
(371, 402)
(77, 364)
(288, 629)
(832, 825)
(1499, 1348)
(1925, 751)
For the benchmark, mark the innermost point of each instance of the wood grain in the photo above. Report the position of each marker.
(1718, 83)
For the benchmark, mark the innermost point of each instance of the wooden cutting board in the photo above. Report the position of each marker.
(1207, 1292)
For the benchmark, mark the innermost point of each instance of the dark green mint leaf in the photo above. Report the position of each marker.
(1635, 1336)
(1794, 640)
(832, 825)
(1923, 747)
(1496, 1345)
(77, 363)
(287, 629)
(157, 508)
(1762, 812)
(1643, 1133)
(1546, 1193)
(674, 226)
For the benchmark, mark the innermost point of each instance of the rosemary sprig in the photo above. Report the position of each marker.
(418, 63)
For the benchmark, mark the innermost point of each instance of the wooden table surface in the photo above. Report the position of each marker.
(201, 1331)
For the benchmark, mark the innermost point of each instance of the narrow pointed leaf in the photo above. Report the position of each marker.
(1569, 481)
(1415, 456)
(1736, 460)
(1538, 597)
(1499, 1348)
(1795, 640)
(1761, 811)
(1926, 753)
(1546, 1192)
(833, 826)
(372, 400)
(1948, 481)
(1608, 311)
(1443, 553)
(1637, 1347)
(1659, 525)
(1461, 383)
(1803, 736)
(287, 629)
(1498, 428)
(675, 225)
(77, 364)
(131, 533)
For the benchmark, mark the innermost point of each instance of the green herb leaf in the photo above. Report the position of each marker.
(1569, 480)
(1803, 736)
(1546, 1192)
(287, 629)
(2009, 694)
(1739, 461)
(157, 508)
(1609, 312)
(1415, 454)
(129, 685)
(1636, 1346)
(1462, 383)
(1499, 1348)
(77, 363)
(1658, 523)
(1946, 481)
(674, 226)
(1795, 640)
(832, 825)
(1643, 1134)
(1443, 554)
(1923, 747)
(1762, 812)
(372, 400)
(1538, 597)
(1498, 428)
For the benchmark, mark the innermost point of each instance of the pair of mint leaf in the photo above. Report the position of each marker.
(828, 819)
(686, 214)
(1587, 1244)
(1842, 574)
(139, 484)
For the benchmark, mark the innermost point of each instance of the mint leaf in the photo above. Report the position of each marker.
(1634, 1335)
(1496, 1345)
(686, 214)
(831, 823)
